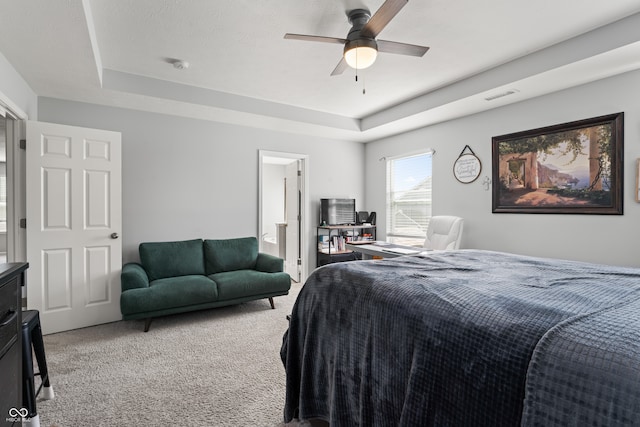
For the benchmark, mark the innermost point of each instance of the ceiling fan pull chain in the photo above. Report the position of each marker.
(363, 88)
(356, 62)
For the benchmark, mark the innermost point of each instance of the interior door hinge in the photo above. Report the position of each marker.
(23, 222)
(299, 261)
(23, 144)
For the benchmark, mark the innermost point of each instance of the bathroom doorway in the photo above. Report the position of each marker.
(282, 225)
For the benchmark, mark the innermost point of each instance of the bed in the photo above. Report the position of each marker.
(465, 338)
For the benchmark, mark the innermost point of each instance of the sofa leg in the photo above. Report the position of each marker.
(273, 306)
(147, 323)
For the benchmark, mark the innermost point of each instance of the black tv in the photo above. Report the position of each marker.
(337, 211)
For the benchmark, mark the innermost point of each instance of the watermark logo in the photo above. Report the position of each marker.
(16, 415)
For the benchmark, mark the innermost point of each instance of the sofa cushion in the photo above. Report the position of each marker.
(171, 259)
(169, 293)
(230, 254)
(243, 283)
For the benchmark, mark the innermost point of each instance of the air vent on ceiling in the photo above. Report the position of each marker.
(500, 95)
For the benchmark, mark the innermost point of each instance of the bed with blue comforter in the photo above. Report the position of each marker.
(465, 338)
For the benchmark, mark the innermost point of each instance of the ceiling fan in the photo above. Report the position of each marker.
(361, 47)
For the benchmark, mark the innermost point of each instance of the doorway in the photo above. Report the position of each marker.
(3, 188)
(12, 159)
(282, 225)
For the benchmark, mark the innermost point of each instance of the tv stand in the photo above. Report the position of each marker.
(332, 240)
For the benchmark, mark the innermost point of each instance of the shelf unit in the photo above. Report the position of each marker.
(12, 278)
(331, 239)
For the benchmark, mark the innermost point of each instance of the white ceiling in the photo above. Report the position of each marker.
(118, 53)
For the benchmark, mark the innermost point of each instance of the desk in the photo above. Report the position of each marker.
(383, 249)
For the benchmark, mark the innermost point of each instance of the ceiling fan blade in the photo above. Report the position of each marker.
(401, 48)
(381, 18)
(308, 38)
(342, 65)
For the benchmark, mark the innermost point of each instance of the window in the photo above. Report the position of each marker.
(408, 199)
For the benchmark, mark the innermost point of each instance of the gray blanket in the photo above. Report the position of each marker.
(465, 338)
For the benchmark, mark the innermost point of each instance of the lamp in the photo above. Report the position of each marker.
(360, 53)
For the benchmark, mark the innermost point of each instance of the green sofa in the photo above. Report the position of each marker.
(175, 277)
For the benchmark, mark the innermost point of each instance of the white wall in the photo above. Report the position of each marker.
(185, 178)
(17, 97)
(610, 239)
(15, 92)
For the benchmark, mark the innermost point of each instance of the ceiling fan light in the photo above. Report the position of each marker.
(360, 54)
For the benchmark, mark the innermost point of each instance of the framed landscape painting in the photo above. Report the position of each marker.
(568, 168)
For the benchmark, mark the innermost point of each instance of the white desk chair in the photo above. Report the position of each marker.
(444, 233)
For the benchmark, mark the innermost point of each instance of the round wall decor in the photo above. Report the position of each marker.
(467, 166)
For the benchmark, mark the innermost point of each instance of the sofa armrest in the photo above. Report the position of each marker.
(269, 263)
(133, 276)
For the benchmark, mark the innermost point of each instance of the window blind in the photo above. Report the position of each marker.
(409, 198)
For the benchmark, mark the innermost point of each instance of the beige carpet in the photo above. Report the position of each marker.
(218, 367)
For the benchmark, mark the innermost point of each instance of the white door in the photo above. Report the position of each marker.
(292, 209)
(73, 198)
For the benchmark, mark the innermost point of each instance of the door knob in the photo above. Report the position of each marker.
(114, 235)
